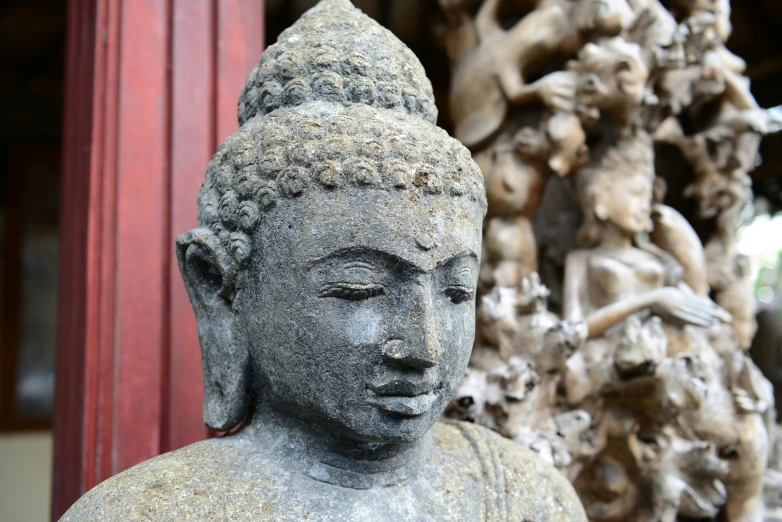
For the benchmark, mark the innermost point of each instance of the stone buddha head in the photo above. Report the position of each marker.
(334, 267)
(333, 275)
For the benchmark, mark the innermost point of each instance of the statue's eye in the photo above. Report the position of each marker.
(352, 291)
(458, 293)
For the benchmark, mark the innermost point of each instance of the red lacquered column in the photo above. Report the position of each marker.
(151, 89)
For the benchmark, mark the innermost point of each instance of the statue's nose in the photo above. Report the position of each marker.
(399, 351)
(418, 345)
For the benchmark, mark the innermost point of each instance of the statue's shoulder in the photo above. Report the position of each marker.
(202, 481)
(519, 484)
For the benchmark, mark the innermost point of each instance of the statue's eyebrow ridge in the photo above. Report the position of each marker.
(358, 264)
(389, 257)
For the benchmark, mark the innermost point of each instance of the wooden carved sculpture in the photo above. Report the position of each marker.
(490, 65)
(640, 390)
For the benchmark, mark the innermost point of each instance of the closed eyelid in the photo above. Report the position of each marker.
(354, 271)
(352, 291)
(465, 270)
(357, 265)
(459, 293)
(455, 269)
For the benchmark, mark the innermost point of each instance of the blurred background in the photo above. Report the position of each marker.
(32, 79)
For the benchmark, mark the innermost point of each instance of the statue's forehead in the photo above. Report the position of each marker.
(425, 230)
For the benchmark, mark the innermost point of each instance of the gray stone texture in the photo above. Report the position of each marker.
(333, 275)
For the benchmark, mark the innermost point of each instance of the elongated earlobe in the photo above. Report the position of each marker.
(209, 274)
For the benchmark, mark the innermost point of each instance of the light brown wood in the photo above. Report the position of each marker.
(641, 390)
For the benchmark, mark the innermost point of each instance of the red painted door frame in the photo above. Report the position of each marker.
(151, 90)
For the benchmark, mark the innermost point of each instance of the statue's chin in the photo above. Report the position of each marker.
(380, 426)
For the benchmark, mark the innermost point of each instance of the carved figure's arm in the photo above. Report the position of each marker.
(512, 84)
(737, 91)
(679, 304)
(487, 22)
(572, 292)
(604, 318)
(539, 33)
(575, 293)
(458, 42)
(460, 36)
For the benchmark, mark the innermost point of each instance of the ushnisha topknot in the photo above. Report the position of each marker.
(339, 103)
(336, 53)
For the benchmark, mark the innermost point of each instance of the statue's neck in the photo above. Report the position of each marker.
(334, 459)
(613, 237)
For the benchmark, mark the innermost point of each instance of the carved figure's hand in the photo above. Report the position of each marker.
(681, 304)
(575, 333)
(557, 90)
(559, 343)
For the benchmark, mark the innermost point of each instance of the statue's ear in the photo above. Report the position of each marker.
(209, 274)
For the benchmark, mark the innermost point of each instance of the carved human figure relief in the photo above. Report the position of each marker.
(518, 150)
(629, 381)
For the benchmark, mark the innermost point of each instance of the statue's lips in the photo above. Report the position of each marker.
(401, 405)
(403, 397)
(403, 387)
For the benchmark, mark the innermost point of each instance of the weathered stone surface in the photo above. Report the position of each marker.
(333, 275)
(341, 59)
(469, 473)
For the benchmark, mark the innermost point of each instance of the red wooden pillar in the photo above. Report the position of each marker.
(151, 90)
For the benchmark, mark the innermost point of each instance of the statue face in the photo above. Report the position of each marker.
(359, 308)
(611, 73)
(626, 201)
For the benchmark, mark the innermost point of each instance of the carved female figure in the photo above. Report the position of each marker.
(613, 285)
(333, 274)
(611, 278)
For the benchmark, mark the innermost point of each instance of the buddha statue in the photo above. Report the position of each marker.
(333, 275)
